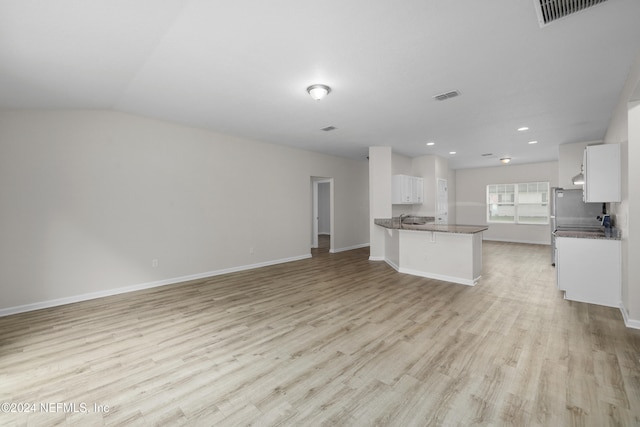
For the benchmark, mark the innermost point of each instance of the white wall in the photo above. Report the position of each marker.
(570, 158)
(401, 165)
(380, 167)
(451, 189)
(89, 198)
(430, 168)
(631, 220)
(425, 167)
(471, 187)
(624, 129)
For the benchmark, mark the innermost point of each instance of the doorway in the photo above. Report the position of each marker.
(322, 215)
(442, 202)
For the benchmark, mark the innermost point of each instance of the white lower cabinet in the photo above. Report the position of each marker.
(589, 270)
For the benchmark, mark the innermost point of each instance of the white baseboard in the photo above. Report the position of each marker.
(100, 294)
(376, 258)
(350, 248)
(431, 275)
(529, 242)
(629, 323)
(392, 264)
(467, 282)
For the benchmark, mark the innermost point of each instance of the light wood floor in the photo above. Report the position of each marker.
(331, 340)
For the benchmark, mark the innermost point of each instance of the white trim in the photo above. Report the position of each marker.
(392, 264)
(100, 294)
(569, 297)
(314, 214)
(314, 211)
(349, 248)
(376, 258)
(529, 242)
(440, 277)
(431, 275)
(629, 323)
(516, 204)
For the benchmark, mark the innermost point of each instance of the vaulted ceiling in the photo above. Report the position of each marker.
(242, 67)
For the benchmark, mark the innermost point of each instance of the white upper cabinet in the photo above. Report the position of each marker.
(602, 173)
(407, 190)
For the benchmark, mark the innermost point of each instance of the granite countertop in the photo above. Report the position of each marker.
(394, 224)
(596, 234)
(408, 220)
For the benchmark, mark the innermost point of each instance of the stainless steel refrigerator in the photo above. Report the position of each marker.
(569, 212)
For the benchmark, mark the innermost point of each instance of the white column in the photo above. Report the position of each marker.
(379, 197)
(631, 271)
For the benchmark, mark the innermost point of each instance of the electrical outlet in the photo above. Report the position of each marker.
(154, 263)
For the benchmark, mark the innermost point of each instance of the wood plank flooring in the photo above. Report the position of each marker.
(331, 340)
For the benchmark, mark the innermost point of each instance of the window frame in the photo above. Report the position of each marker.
(516, 203)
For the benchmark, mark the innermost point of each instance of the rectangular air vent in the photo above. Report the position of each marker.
(329, 128)
(446, 95)
(551, 10)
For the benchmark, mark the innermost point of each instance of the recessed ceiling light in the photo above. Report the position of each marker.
(505, 160)
(532, 142)
(431, 143)
(452, 152)
(522, 129)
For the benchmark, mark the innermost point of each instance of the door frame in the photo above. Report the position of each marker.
(440, 213)
(315, 180)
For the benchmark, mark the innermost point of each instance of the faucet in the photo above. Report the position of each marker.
(402, 217)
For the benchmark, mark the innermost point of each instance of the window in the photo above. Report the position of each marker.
(501, 203)
(526, 203)
(533, 203)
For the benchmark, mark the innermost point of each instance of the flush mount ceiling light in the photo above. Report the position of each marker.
(505, 160)
(452, 152)
(318, 92)
(431, 143)
(532, 142)
(522, 129)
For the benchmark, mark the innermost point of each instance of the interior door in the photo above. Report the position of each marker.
(442, 202)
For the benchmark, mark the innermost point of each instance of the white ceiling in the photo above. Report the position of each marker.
(242, 67)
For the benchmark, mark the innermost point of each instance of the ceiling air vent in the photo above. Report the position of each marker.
(552, 10)
(329, 128)
(446, 95)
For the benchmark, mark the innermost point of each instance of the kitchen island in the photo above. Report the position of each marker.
(448, 252)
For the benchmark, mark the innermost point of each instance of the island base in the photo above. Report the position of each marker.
(450, 257)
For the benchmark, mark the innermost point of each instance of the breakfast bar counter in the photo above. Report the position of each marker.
(448, 252)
